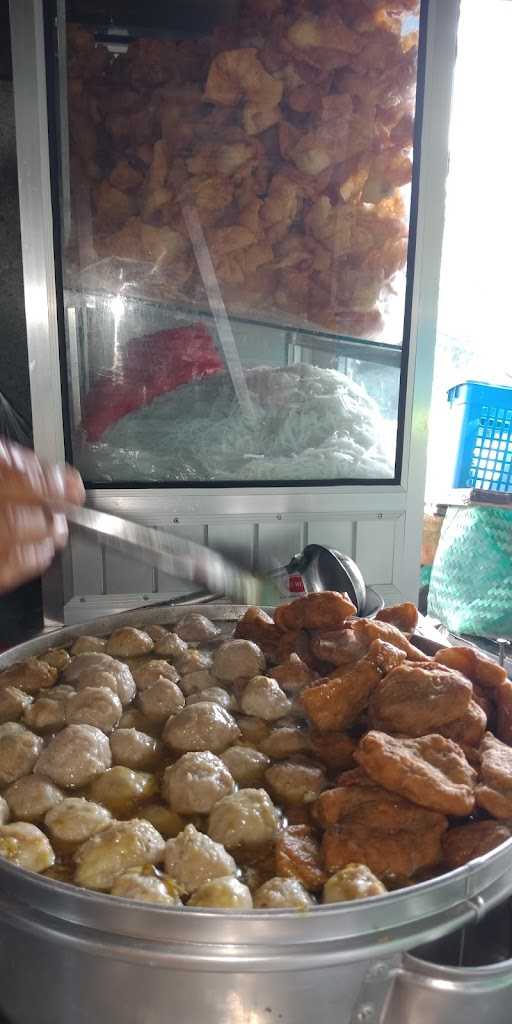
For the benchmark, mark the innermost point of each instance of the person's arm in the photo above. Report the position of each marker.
(29, 534)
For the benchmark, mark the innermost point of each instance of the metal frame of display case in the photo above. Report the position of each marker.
(271, 522)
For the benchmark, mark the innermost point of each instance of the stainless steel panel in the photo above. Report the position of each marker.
(375, 549)
(171, 584)
(234, 540)
(277, 543)
(87, 563)
(337, 534)
(124, 575)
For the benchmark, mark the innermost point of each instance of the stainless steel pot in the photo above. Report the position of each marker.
(68, 955)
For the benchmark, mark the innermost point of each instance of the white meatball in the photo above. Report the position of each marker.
(128, 642)
(195, 783)
(132, 718)
(195, 628)
(193, 859)
(226, 893)
(295, 783)
(238, 659)
(135, 749)
(93, 665)
(75, 820)
(194, 682)
(203, 726)
(123, 845)
(246, 765)
(31, 798)
(88, 645)
(94, 705)
(13, 703)
(216, 695)
(247, 818)
(353, 882)
(57, 657)
(156, 632)
(194, 661)
(30, 676)
(151, 888)
(150, 671)
(4, 811)
(75, 756)
(170, 646)
(282, 894)
(26, 846)
(162, 699)
(121, 790)
(284, 741)
(19, 750)
(264, 698)
(45, 715)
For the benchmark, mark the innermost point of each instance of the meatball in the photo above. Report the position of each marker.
(203, 726)
(193, 859)
(170, 646)
(167, 822)
(247, 818)
(162, 699)
(295, 783)
(194, 682)
(13, 703)
(264, 698)
(285, 741)
(353, 882)
(121, 790)
(194, 661)
(227, 893)
(57, 657)
(195, 628)
(133, 718)
(238, 659)
(94, 705)
(122, 845)
(195, 783)
(214, 694)
(246, 765)
(30, 676)
(31, 797)
(253, 730)
(135, 749)
(26, 846)
(75, 820)
(150, 671)
(19, 750)
(94, 664)
(60, 692)
(4, 811)
(156, 632)
(282, 894)
(137, 884)
(45, 715)
(88, 645)
(75, 756)
(128, 642)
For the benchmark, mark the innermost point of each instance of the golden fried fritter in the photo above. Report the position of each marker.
(414, 700)
(338, 647)
(257, 626)
(386, 854)
(298, 856)
(494, 789)
(403, 616)
(368, 630)
(334, 749)
(293, 674)
(238, 74)
(467, 730)
(373, 806)
(325, 610)
(465, 842)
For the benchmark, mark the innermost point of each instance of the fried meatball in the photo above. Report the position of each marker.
(128, 642)
(238, 659)
(30, 676)
(149, 672)
(135, 749)
(150, 888)
(246, 765)
(122, 845)
(88, 645)
(31, 797)
(282, 894)
(295, 783)
(194, 661)
(75, 756)
(94, 705)
(26, 846)
(247, 818)
(226, 893)
(156, 632)
(216, 695)
(132, 718)
(170, 646)
(264, 698)
(13, 703)
(196, 782)
(45, 715)
(74, 820)
(195, 682)
(167, 822)
(285, 741)
(100, 668)
(57, 657)
(60, 692)
(162, 699)
(192, 859)
(121, 790)
(203, 726)
(19, 750)
(4, 811)
(354, 882)
(195, 628)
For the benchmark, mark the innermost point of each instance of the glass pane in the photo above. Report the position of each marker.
(235, 194)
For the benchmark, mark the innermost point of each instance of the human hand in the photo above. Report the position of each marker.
(30, 535)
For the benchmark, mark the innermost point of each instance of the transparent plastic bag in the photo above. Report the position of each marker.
(12, 424)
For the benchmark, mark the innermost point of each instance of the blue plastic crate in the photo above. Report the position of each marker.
(483, 423)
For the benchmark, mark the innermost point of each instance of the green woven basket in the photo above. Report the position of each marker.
(471, 584)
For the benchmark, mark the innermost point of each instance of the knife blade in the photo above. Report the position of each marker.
(176, 556)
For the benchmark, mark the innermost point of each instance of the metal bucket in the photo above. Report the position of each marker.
(69, 954)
